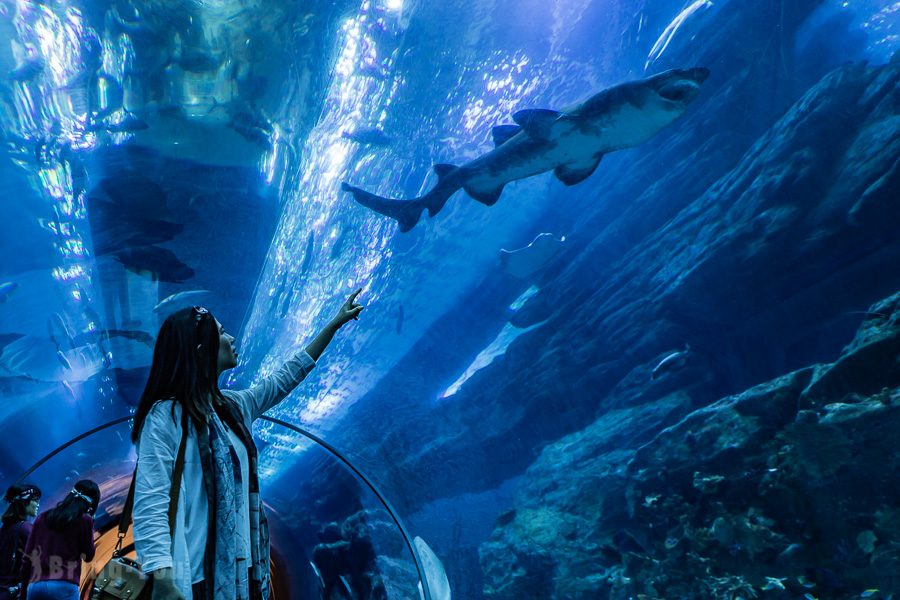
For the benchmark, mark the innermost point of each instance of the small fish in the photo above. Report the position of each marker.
(308, 257)
(256, 135)
(673, 361)
(399, 318)
(248, 121)
(368, 136)
(774, 583)
(7, 289)
(338, 244)
(870, 593)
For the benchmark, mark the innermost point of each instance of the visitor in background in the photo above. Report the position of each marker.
(24, 500)
(60, 540)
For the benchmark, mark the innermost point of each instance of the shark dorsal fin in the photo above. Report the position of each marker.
(502, 133)
(576, 172)
(537, 122)
(443, 169)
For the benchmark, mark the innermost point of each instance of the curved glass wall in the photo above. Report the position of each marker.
(333, 536)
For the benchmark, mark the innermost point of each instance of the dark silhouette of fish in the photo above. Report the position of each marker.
(160, 262)
(28, 70)
(570, 143)
(308, 257)
(369, 137)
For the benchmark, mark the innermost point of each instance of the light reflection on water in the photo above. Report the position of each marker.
(313, 209)
(486, 92)
(54, 49)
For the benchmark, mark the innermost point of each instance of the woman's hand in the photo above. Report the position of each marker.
(163, 586)
(349, 311)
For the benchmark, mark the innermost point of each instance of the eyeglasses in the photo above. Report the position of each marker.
(199, 311)
(28, 495)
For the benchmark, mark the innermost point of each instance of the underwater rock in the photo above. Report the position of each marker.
(574, 485)
(748, 495)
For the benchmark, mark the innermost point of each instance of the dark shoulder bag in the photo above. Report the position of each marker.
(122, 578)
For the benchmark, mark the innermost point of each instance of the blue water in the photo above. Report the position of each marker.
(160, 147)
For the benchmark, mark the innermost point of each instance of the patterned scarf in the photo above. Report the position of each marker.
(228, 583)
(222, 480)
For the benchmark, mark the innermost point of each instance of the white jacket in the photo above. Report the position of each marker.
(157, 449)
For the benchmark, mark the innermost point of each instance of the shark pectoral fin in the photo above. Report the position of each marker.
(537, 122)
(487, 197)
(502, 133)
(576, 172)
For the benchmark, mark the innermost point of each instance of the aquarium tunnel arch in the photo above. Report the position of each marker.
(628, 271)
(299, 580)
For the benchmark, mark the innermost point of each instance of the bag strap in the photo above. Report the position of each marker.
(174, 491)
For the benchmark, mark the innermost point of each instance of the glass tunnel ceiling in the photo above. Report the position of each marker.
(193, 151)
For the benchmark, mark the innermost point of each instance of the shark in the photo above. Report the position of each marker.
(569, 142)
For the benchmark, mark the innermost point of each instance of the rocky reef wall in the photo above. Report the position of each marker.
(782, 490)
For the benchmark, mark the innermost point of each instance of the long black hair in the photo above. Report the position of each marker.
(19, 495)
(84, 498)
(185, 367)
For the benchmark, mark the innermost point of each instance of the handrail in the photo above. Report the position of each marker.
(423, 579)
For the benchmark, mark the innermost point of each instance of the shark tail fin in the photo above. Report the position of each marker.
(405, 212)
